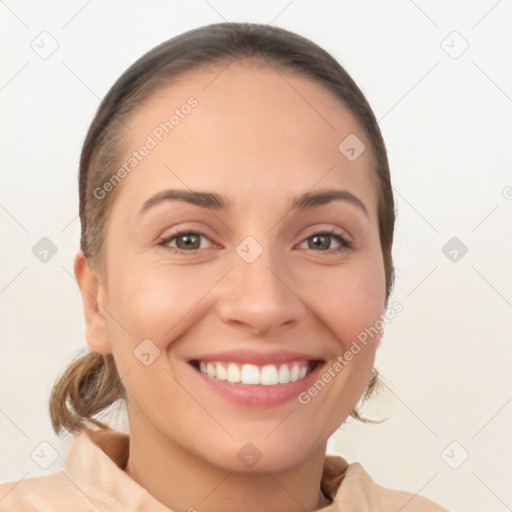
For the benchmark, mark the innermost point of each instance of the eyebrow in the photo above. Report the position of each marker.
(218, 202)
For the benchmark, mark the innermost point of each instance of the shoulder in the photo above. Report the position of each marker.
(39, 493)
(93, 480)
(69, 489)
(357, 490)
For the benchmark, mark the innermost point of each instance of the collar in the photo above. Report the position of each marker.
(98, 457)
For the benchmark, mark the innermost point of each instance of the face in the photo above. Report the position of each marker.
(257, 282)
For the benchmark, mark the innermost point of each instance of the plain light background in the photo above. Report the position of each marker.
(438, 77)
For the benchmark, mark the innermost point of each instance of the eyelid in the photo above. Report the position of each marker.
(328, 229)
(187, 228)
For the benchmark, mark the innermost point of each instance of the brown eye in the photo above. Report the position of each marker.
(188, 241)
(322, 242)
(184, 241)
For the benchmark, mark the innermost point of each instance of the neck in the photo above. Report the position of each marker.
(182, 481)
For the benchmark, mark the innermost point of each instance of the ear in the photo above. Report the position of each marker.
(93, 298)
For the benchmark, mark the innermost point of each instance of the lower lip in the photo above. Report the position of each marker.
(258, 394)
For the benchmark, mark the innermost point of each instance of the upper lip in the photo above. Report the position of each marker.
(256, 357)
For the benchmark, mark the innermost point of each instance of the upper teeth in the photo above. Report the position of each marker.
(268, 375)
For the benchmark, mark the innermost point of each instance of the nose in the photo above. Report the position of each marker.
(259, 296)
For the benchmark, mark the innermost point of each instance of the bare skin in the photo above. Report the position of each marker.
(255, 140)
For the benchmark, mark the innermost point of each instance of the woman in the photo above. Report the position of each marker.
(237, 223)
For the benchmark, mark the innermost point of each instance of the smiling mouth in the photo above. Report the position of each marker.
(250, 374)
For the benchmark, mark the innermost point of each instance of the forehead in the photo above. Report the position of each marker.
(253, 130)
(244, 99)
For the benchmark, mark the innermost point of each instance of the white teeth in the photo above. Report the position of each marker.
(233, 374)
(220, 372)
(284, 374)
(210, 370)
(250, 374)
(268, 375)
(294, 373)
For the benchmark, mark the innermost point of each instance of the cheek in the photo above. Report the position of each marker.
(349, 302)
(159, 303)
(347, 299)
(156, 304)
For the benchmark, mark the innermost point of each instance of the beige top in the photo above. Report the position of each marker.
(94, 480)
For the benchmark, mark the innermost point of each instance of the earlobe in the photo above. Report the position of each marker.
(93, 299)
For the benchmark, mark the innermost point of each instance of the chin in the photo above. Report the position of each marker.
(264, 456)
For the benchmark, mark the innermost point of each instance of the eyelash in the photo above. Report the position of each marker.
(345, 244)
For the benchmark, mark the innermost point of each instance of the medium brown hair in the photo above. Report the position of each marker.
(91, 383)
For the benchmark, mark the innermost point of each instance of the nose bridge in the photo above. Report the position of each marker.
(256, 292)
(258, 271)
